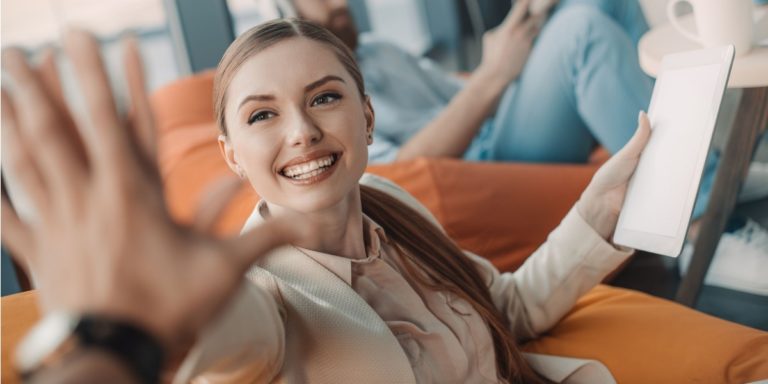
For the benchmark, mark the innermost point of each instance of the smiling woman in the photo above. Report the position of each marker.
(380, 278)
(299, 134)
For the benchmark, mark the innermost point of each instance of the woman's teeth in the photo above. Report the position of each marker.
(310, 168)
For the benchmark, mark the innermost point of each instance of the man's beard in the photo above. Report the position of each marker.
(340, 24)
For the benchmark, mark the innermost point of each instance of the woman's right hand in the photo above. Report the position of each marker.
(101, 240)
(507, 47)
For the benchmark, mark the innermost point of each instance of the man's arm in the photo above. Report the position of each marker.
(451, 132)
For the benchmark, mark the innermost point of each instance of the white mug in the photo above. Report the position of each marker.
(718, 23)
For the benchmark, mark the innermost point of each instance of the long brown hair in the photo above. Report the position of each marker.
(432, 258)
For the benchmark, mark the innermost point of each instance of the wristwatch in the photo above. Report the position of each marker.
(61, 333)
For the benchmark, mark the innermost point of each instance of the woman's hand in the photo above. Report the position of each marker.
(101, 240)
(601, 202)
(506, 48)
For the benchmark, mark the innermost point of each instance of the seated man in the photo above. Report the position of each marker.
(535, 97)
(580, 84)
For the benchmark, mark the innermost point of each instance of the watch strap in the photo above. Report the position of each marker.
(60, 335)
(139, 350)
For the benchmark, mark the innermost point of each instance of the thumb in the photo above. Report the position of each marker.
(216, 198)
(517, 14)
(142, 114)
(264, 237)
(16, 235)
(639, 140)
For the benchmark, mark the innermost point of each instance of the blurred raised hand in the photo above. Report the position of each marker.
(101, 240)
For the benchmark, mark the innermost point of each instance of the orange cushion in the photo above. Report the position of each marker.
(19, 314)
(644, 339)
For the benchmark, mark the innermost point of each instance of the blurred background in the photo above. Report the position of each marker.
(445, 30)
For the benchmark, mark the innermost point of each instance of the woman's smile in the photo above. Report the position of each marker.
(311, 168)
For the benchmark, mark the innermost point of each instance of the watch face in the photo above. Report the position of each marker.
(45, 339)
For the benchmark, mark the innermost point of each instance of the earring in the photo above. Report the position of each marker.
(240, 172)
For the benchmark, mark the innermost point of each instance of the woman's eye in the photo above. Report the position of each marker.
(326, 98)
(260, 116)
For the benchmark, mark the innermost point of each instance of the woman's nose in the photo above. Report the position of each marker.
(304, 132)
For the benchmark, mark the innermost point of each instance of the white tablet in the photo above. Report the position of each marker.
(661, 193)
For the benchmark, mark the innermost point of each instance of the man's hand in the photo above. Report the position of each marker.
(601, 202)
(101, 240)
(506, 48)
(540, 7)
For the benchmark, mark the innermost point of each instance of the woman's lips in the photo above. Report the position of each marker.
(307, 157)
(312, 170)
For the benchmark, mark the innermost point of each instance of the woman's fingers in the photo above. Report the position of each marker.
(49, 74)
(274, 232)
(19, 167)
(142, 119)
(107, 141)
(620, 167)
(16, 235)
(37, 121)
(639, 140)
(214, 201)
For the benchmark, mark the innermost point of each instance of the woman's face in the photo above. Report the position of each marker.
(297, 126)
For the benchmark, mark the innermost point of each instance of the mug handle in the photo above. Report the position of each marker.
(676, 22)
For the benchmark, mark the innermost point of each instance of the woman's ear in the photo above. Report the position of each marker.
(229, 155)
(370, 119)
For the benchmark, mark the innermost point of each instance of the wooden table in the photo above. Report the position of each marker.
(751, 73)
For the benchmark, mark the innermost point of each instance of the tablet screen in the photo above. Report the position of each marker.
(672, 161)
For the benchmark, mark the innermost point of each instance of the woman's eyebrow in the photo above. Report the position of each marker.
(307, 88)
(322, 81)
(255, 98)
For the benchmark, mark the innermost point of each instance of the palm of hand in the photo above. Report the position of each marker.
(603, 198)
(102, 240)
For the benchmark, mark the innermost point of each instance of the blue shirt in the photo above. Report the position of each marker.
(406, 92)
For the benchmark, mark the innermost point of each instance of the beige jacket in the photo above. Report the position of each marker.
(296, 322)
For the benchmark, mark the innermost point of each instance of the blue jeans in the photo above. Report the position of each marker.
(582, 86)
